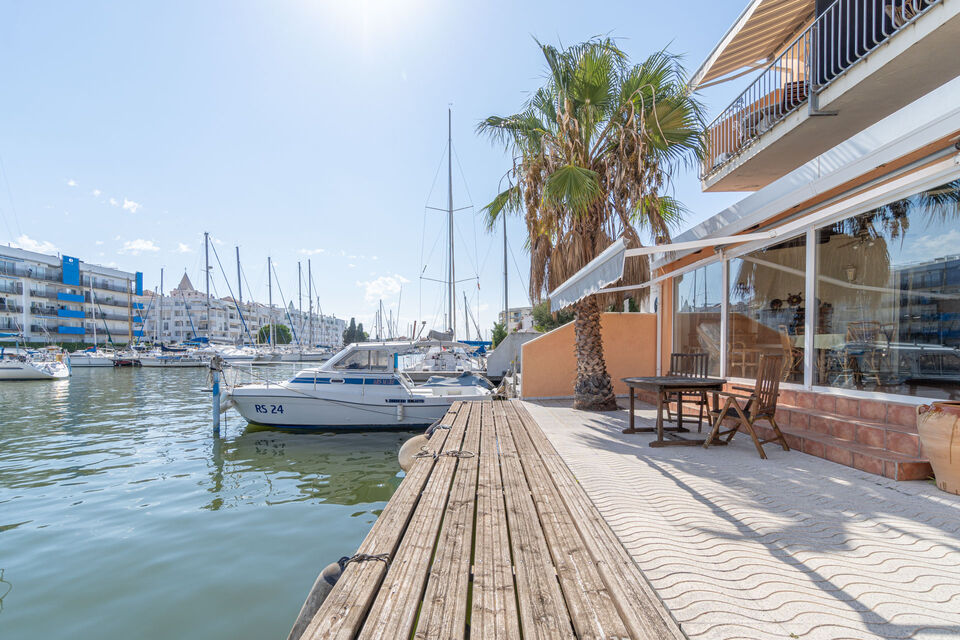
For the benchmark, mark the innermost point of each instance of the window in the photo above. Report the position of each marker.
(366, 360)
(697, 298)
(888, 295)
(767, 309)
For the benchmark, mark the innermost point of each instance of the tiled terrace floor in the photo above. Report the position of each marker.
(789, 547)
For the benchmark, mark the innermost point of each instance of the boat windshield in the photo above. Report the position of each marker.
(366, 360)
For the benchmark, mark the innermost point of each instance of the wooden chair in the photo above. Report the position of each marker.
(689, 365)
(792, 356)
(761, 404)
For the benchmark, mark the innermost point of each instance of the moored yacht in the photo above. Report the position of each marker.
(358, 388)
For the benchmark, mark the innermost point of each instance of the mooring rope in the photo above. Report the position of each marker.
(451, 453)
(366, 557)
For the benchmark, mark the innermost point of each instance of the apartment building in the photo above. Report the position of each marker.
(63, 299)
(842, 256)
(517, 319)
(183, 314)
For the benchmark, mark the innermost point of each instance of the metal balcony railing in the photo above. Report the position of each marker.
(845, 33)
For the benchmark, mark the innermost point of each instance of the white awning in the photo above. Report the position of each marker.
(596, 274)
(764, 28)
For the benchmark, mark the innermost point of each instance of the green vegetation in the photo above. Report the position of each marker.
(354, 333)
(281, 334)
(499, 333)
(593, 152)
(545, 321)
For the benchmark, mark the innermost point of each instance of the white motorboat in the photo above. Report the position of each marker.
(92, 358)
(358, 388)
(27, 368)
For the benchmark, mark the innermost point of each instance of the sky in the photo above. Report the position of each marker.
(299, 129)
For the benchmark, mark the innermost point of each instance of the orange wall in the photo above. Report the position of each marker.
(549, 362)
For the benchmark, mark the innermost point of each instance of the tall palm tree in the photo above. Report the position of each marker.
(593, 149)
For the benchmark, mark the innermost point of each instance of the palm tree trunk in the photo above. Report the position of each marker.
(593, 390)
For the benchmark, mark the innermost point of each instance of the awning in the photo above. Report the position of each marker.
(765, 27)
(607, 268)
(596, 274)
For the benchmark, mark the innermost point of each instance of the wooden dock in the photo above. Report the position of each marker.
(490, 536)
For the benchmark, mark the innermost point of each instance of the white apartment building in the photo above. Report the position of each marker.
(183, 314)
(517, 319)
(63, 299)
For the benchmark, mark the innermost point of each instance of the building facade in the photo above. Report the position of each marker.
(63, 299)
(517, 319)
(182, 315)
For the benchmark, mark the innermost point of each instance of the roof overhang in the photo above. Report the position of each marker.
(760, 32)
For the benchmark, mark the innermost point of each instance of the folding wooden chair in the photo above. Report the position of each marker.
(689, 365)
(760, 404)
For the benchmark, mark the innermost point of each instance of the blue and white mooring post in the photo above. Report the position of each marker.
(215, 376)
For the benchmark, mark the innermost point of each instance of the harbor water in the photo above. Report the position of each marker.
(122, 516)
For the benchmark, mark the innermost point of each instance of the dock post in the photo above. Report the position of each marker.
(215, 376)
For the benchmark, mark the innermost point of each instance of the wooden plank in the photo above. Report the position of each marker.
(444, 611)
(543, 612)
(395, 608)
(592, 610)
(347, 605)
(640, 608)
(494, 607)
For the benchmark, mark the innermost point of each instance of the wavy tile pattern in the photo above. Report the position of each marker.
(790, 547)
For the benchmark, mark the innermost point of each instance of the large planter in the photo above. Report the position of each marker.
(939, 428)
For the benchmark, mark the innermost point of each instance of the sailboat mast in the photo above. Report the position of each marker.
(466, 320)
(300, 296)
(270, 298)
(506, 303)
(452, 284)
(93, 313)
(160, 313)
(206, 252)
(239, 282)
(310, 300)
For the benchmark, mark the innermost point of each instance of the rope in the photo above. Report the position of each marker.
(451, 453)
(366, 557)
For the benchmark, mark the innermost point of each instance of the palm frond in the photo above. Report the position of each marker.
(509, 200)
(572, 187)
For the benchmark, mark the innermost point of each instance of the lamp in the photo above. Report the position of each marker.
(851, 273)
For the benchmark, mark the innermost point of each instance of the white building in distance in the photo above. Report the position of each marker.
(182, 315)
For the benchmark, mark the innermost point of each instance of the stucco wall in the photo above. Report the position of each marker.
(629, 347)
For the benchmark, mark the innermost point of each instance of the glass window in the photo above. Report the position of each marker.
(697, 296)
(767, 309)
(366, 360)
(888, 290)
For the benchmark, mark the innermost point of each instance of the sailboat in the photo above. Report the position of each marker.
(24, 365)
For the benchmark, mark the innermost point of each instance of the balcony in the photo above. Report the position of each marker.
(854, 64)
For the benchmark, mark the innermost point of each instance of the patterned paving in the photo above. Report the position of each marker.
(790, 547)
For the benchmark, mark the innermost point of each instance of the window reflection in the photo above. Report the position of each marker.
(697, 303)
(767, 309)
(888, 285)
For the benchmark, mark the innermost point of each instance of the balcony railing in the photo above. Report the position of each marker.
(842, 35)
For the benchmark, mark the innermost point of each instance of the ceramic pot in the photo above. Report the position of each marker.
(939, 428)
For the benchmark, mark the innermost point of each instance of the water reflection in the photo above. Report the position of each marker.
(114, 472)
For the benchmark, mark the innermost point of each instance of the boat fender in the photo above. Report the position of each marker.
(226, 402)
(318, 593)
(410, 449)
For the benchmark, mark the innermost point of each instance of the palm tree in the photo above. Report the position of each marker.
(593, 149)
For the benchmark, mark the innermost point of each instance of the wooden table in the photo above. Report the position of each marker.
(664, 386)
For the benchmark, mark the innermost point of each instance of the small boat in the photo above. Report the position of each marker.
(25, 367)
(358, 388)
(444, 359)
(127, 359)
(166, 360)
(92, 357)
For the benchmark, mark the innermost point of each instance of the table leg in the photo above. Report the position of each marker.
(660, 417)
(631, 428)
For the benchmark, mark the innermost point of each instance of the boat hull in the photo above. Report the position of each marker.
(170, 362)
(10, 371)
(90, 361)
(278, 407)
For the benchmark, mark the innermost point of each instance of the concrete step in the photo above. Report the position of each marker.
(879, 461)
(892, 437)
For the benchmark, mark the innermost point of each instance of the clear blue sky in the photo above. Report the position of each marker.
(292, 129)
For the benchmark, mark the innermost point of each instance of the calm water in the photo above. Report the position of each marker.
(122, 517)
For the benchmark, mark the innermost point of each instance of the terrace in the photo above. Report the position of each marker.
(822, 76)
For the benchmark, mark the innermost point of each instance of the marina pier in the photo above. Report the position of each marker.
(490, 536)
